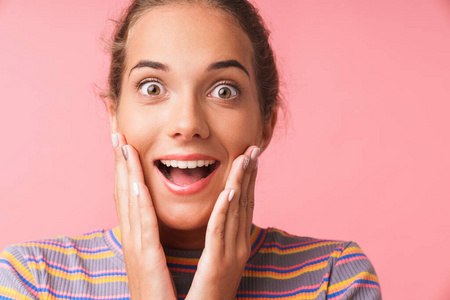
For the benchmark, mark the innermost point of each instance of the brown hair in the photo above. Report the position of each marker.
(246, 15)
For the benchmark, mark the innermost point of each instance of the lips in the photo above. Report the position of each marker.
(186, 174)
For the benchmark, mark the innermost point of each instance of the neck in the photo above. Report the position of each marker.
(182, 239)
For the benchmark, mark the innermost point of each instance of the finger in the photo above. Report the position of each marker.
(233, 215)
(215, 231)
(120, 182)
(147, 216)
(142, 216)
(135, 175)
(251, 202)
(242, 237)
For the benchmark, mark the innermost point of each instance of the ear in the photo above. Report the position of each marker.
(112, 113)
(268, 128)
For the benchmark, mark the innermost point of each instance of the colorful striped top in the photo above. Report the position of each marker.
(281, 266)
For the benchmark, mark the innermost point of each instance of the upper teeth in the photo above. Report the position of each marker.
(184, 164)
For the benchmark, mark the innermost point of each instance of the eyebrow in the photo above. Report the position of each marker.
(227, 64)
(150, 64)
(214, 66)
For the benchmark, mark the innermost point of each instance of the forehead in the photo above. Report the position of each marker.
(189, 34)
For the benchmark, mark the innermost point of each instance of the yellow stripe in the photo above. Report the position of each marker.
(47, 296)
(254, 234)
(77, 276)
(283, 276)
(301, 296)
(346, 283)
(117, 234)
(352, 250)
(182, 261)
(68, 251)
(295, 250)
(13, 294)
(89, 236)
(19, 267)
(274, 275)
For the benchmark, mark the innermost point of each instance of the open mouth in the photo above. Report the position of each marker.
(185, 173)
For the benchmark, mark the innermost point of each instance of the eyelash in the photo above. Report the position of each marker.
(147, 80)
(233, 84)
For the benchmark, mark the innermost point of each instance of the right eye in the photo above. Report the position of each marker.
(152, 88)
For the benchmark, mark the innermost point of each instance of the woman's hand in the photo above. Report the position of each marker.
(145, 261)
(227, 242)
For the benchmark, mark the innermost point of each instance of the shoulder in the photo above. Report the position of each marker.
(340, 268)
(280, 242)
(27, 268)
(54, 251)
(87, 245)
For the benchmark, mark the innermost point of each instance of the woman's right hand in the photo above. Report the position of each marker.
(145, 261)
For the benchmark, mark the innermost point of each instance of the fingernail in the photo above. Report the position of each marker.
(256, 164)
(246, 161)
(230, 196)
(136, 188)
(255, 153)
(115, 140)
(125, 153)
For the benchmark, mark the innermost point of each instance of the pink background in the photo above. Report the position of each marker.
(364, 157)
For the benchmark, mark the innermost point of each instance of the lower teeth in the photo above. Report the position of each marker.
(165, 171)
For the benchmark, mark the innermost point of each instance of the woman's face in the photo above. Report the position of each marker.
(188, 94)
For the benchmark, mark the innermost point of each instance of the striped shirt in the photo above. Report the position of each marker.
(281, 266)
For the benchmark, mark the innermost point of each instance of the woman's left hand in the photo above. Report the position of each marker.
(227, 242)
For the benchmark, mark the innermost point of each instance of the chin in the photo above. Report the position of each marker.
(184, 218)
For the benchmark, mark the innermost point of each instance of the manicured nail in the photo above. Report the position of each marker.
(115, 140)
(230, 196)
(255, 153)
(125, 153)
(136, 188)
(246, 161)
(256, 164)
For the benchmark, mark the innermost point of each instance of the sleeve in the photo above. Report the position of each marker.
(353, 276)
(16, 279)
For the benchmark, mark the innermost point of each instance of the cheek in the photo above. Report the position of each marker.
(239, 131)
(138, 128)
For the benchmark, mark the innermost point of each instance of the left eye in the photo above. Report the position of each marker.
(152, 88)
(224, 91)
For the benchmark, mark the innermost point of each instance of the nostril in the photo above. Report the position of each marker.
(188, 137)
(188, 123)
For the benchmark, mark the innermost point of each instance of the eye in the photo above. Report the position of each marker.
(224, 91)
(152, 88)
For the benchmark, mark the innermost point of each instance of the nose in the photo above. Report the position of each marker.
(187, 119)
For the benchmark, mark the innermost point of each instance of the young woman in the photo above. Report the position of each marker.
(193, 102)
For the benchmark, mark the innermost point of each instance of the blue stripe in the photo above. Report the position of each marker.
(18, 274)
(93, 232)
(294, 246)
(47, 290)
(68, 247)
(5, 298)
(181, 266)
(352, 255)
(74, 271)
(115, 240)
(77, 298)
(261, 233)
(243, 295)
(350, 286)
(288, 270)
